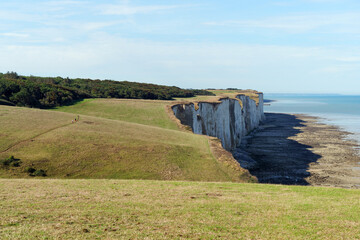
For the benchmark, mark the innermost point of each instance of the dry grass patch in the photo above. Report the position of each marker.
(220, 94)
(101, 209)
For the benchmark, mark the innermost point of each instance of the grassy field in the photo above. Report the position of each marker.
(136, 209)
(128, 139)
(147, 112)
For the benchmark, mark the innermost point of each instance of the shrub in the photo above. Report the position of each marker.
(10, 161)
(36, 173)
(30, 170)
(39, 173)
(4, 162)
(15, 163)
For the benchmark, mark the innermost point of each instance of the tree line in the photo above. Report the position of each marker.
(48, 92)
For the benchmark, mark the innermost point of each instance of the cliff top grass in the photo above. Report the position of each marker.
(146, 112)
(219, 94)
(127, 139)
(124, 209)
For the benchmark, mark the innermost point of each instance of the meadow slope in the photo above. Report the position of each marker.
(128, 139)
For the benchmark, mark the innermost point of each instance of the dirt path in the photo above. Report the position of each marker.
(33, 137)
(297, 149)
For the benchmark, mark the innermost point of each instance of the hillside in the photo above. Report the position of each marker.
(123, 209)
(128, 139)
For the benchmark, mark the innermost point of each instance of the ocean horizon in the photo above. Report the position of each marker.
(342, 111)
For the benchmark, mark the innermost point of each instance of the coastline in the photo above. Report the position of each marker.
(299, 149)
(339, 162)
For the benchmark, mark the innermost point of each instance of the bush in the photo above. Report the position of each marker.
(30, 170)
(15, 164)
(4, 162)
(39, 173)
(10, 161)
(36, 173)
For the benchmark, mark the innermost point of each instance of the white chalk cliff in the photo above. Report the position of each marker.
(229, 119)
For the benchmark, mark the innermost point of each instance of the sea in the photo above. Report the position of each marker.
(340, 110)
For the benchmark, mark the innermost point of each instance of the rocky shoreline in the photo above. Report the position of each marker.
(297, 149)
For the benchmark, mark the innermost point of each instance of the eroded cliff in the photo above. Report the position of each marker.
(228, 119)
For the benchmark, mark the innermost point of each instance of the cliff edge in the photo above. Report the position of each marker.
(228, 118)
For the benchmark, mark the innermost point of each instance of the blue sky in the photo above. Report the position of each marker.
(304, 46)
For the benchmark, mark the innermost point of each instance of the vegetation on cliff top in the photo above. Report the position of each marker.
(47, 92)
(221, 93)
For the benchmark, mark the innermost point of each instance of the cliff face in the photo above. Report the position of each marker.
(228, 119)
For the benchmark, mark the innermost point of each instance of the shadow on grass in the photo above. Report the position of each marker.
(277, 159)
(67, 104)
(6, 103)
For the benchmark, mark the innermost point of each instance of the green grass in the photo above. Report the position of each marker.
(127, 144)
(147, 112)
(128, 209)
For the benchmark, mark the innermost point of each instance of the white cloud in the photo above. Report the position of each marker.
(296, 2)
(10, 34)
(323, 1)
(130, 10)
(57, 3)
(283, 4)
(349, 59)
(91, 26)
(74, 40)
(300, 23)
(17, 16)
(195, 65)
(80, 26)
(338, 69)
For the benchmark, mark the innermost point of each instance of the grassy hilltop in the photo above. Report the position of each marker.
(129, 139)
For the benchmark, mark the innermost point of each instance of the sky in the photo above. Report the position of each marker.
(293, 46)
